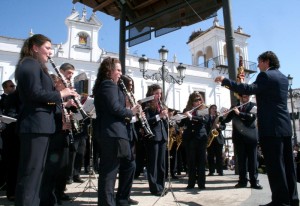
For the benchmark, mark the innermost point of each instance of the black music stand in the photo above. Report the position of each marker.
(92, 175)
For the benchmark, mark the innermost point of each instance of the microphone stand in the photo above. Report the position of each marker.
(92, 175)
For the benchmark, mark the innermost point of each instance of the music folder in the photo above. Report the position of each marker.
(88, 107)
(7, 119)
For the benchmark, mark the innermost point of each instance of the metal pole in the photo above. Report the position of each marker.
(122, 44)
(163, 80)
(230, 46)
(293, 116)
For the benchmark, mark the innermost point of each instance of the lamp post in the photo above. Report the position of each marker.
(163, 73)
(292, 106)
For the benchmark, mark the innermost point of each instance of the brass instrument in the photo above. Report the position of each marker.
(179, 137)
(143, 120)
(63, 79)
(213, 132)
(172, 138)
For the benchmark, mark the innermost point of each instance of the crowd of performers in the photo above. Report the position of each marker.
(47, 147)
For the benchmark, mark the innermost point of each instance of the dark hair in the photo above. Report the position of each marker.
(151, 90)
(104, 71)
(27, 49)
(4, 84)
(271, 56)
(213, 105)
(192, 97)
(66, 66)
(126, 79)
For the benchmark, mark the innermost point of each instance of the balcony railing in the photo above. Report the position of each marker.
(221, 62)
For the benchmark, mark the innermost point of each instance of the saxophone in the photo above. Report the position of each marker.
(179, 137)
(213, 132)
(172, 138)
(143, 120)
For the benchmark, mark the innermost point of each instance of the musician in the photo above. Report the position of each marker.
(111, 131)
(56, 164)
(215, 150)
(67, 71)
(36, 124)
(195, 140)
(9, 105)
(274, 126)
(156, 147)
(127, 168)
(245, 140)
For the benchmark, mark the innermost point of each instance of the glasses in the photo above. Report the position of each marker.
(198, 99)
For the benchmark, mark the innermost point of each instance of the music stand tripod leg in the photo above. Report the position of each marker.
(92, 174)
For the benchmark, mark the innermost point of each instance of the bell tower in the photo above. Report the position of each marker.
(82, 42)
(208, 48)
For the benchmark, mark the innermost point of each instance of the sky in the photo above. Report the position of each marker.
(272, 24)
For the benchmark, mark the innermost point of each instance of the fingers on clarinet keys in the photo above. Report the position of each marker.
(135, 109)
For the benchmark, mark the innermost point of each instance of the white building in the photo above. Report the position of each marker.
(208, 53)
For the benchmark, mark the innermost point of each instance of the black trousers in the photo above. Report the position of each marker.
(109, 166)
(281, 171)
(33, 154)
(196, 157)
(55, 166)
(156, 165)
(247, 161)
(215, 157)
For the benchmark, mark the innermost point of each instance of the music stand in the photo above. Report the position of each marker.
(168, 187)
(92, 175)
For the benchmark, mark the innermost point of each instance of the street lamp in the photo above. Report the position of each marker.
(292, 105)
(163, 73)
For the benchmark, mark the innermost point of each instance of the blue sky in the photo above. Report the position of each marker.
(272, 24)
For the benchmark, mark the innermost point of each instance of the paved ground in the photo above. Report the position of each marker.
(219, 191)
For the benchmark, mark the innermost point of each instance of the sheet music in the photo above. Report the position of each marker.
(7, 119)
(88, 107)
(146, 99)
(253, 110)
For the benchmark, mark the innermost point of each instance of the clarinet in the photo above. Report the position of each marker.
(68, 120)
(64, 81)
(144, 122)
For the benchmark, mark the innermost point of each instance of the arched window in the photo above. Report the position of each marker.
(83, 40)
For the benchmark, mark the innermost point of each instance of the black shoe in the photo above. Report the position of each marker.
(132, 202)
(221, 174)
(240, 185)
(69, 181)
(78, 180)
(65, 197)
(190, 187)
(256, 186)
(202, 187)
(11, 198)
(269, 204)
(157, 193)
(210, 174)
